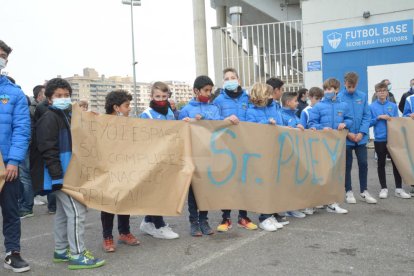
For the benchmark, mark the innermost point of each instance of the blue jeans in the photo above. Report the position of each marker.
(157, 220)
(226, 214)
(9, 198)
(26, 196)
(195, 215)
(361, 154)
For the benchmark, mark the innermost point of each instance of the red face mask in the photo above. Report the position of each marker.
(160, 103)
(203, 99)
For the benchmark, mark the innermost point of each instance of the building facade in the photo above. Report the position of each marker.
(94, 88)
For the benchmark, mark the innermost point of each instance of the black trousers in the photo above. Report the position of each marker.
(382, 152)
(107, 220)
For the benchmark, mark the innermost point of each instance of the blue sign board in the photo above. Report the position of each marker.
(368, 36)
(314, 65)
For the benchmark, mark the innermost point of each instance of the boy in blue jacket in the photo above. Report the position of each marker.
(54, 142)
(382, 110)
(315, 96)
(14, 142)
(357, 137)
(409, 112)
(263, 111)
(159, 109)
(232, 103)
(330, 114)
(199, 108)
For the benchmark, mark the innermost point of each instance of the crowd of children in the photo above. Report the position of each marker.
(329, 109)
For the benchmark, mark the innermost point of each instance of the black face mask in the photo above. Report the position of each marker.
(234, 94)
(160, 109)
(269, 102)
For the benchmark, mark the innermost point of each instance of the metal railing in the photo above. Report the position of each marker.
(261, 51)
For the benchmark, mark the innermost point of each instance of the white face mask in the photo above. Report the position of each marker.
(2, 63)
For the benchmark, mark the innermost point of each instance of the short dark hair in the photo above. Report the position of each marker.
(275, 83)
(116, 97)
(381, 85)
(288, 96)
(5, 47)
(202, 81)
(331, 83)
(316, 92)
(37, 89)
(351, 78)
(302, 92)
(11, 79)
(230, 70)
(56, 83)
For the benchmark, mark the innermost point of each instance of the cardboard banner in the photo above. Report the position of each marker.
(400, 133)
(264, 168)
(129, 166)
(2, 172)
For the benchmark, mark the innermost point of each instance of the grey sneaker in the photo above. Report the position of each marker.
(205, 228)
(195, 229)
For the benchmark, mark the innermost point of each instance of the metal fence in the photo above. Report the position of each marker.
(261, 51)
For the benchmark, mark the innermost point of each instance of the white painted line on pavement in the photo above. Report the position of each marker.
(233, 247)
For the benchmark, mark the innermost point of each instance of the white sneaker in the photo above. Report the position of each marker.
(147, 227)
(165, 233)
(308, 211)
(295, 214)
(37, 201)
(319, 207)
(276, 223)
(384, 193)
(268, 225)
(349, 197)
(401, 193)
(334, 208)
(368, 198)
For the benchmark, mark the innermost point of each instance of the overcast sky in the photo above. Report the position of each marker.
(61, 37)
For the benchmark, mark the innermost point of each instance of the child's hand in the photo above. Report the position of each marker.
(358, 137)
(341, 126)
(272, 121)
(384, 117)
(412, 116)
(187, 119)
(351, 136)
(299, 126)
(198, 117)
(233, 119)
(327, 128)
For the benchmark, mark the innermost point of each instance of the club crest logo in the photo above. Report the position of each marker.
(4, 99)
(389, 108)
(334, 39)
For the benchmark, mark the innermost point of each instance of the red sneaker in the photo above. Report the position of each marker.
(108, 245)
(128, 239)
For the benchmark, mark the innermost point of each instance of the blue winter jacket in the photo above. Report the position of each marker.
(304, 117)
(228, 106)
(380, 126)
(14, 122)
(359, 108)
(206, 110)
(289, 117)
(409, 106)
(262, 114)
(150, 113)
(328, 113)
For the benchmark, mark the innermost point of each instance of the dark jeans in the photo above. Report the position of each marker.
(361, 154)
(382, 153)
(226, 214)
(107, 220)
(51, 202)
(157, 220)
(9, 198)
(195, 215)
(26, 195)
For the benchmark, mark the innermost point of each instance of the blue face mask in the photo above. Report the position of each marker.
(231, 85)
(329, 95)
(62, 103)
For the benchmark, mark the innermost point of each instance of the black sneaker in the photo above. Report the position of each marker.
(205, 228)
(15, 262)
(281, 219)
